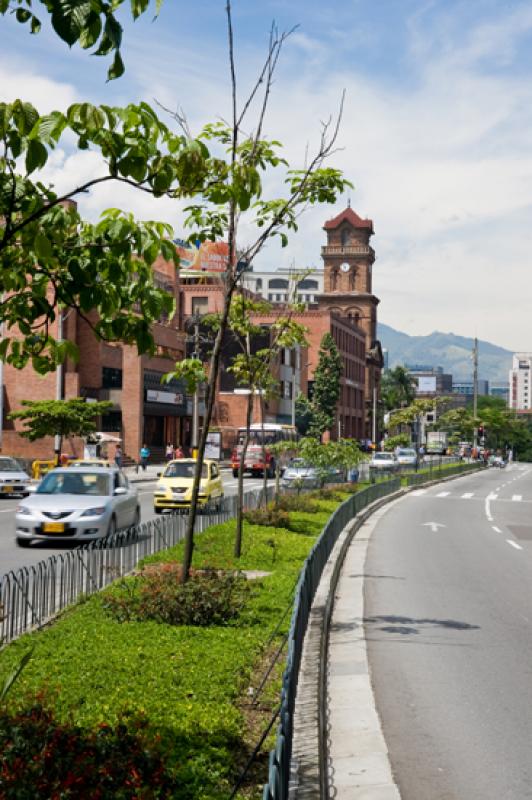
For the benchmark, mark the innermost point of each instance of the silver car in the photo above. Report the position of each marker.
(13, 479)
(77, 503)
(299, 475)
(406, 456)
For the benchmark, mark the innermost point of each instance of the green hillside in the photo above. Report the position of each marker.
(449, 351)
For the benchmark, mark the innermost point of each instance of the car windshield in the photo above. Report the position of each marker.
(9, 465)
(75, 483)
(383, 456)
(184, 469)
(406, 452)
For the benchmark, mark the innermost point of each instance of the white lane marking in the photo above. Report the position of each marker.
(443, 494)
(517, 498)
(497, 530)
(418, 492)
(7, 510)
(514, 544)
(467, 496)
(433, 526)
(487, 508)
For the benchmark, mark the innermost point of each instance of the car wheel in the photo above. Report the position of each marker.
(157, 510)
(22, 542)
(235, 473)
(111, 530)
(136, 518)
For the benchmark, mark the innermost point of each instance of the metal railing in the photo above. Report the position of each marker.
(442, 472)
(31, 596)
(280, 757)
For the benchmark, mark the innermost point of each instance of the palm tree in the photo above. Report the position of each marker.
(398, 388)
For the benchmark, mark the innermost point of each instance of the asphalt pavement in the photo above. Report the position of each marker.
(448, 628)
(13, 557)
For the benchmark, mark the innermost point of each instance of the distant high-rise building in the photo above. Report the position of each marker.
(520, 382)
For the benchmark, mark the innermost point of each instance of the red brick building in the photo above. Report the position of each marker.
(143, 409)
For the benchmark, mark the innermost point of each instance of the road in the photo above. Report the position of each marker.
(448, 621)
(13, 557)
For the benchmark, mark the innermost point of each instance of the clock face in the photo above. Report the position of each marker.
(345, 267)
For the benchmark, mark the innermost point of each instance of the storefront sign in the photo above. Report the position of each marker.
(170, 398)
(213, 446)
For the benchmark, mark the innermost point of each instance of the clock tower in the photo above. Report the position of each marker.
(347, 291)
(347, 264)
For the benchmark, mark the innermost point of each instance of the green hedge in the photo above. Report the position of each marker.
(186, 681)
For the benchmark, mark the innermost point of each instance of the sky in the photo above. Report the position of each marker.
(436, 134)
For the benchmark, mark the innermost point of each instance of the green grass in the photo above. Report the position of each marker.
(189, 682)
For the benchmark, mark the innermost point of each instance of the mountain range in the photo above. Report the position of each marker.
(447, 350)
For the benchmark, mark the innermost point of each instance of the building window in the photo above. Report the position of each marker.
(278, 283)
(112, 422)
(111, 378)
(200, 305)
(287, 389)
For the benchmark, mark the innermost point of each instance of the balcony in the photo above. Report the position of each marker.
(347, 250)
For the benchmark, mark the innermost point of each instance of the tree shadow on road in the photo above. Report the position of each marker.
(408, 625)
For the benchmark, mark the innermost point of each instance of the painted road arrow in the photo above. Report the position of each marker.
(433, 526)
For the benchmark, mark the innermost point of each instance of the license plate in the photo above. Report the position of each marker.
(53, 527)
(8, 489)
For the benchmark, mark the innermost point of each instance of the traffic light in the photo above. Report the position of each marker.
(481, 430)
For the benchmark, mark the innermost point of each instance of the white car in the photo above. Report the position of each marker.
(13, 479)
(406, 456)
(383, 462)
(77, 503)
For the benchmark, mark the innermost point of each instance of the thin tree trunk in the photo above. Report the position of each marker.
(209, 405)
(264, 471)
(240, 500)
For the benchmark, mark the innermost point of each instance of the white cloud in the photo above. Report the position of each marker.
(442, 161)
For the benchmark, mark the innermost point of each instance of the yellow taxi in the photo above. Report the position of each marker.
(174, 487)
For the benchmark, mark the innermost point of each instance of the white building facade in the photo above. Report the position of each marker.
(520, 382)
(286, 285)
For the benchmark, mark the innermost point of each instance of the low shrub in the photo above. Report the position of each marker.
(42, 757)
(297, 502)
(328, 493)
(268, 516)
(210, 598)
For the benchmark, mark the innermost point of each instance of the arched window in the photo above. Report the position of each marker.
(345, 237)
(258, 285)
(278, 283)
(307, 283)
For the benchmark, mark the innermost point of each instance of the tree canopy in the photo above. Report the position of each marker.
(61, 418)
(326, 390)
(93, 24)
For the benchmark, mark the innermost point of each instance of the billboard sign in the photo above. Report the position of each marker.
(206, 257)
(426, 385)
(171, 398)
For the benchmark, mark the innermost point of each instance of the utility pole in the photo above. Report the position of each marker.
(59, 382)
(475, 390)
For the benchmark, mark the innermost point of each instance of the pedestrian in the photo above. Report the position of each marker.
(144, 456)
(118, 456)
(169, 451)
(179, 452)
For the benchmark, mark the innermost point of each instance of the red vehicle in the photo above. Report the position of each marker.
(258, 456)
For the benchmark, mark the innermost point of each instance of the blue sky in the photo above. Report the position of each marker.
(436, 134)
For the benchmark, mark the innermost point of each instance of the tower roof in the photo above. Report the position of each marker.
(348, 215)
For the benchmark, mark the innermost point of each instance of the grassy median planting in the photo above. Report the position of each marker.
(119, 678)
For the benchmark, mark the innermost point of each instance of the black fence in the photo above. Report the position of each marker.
(279, 766)
(32, 596)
